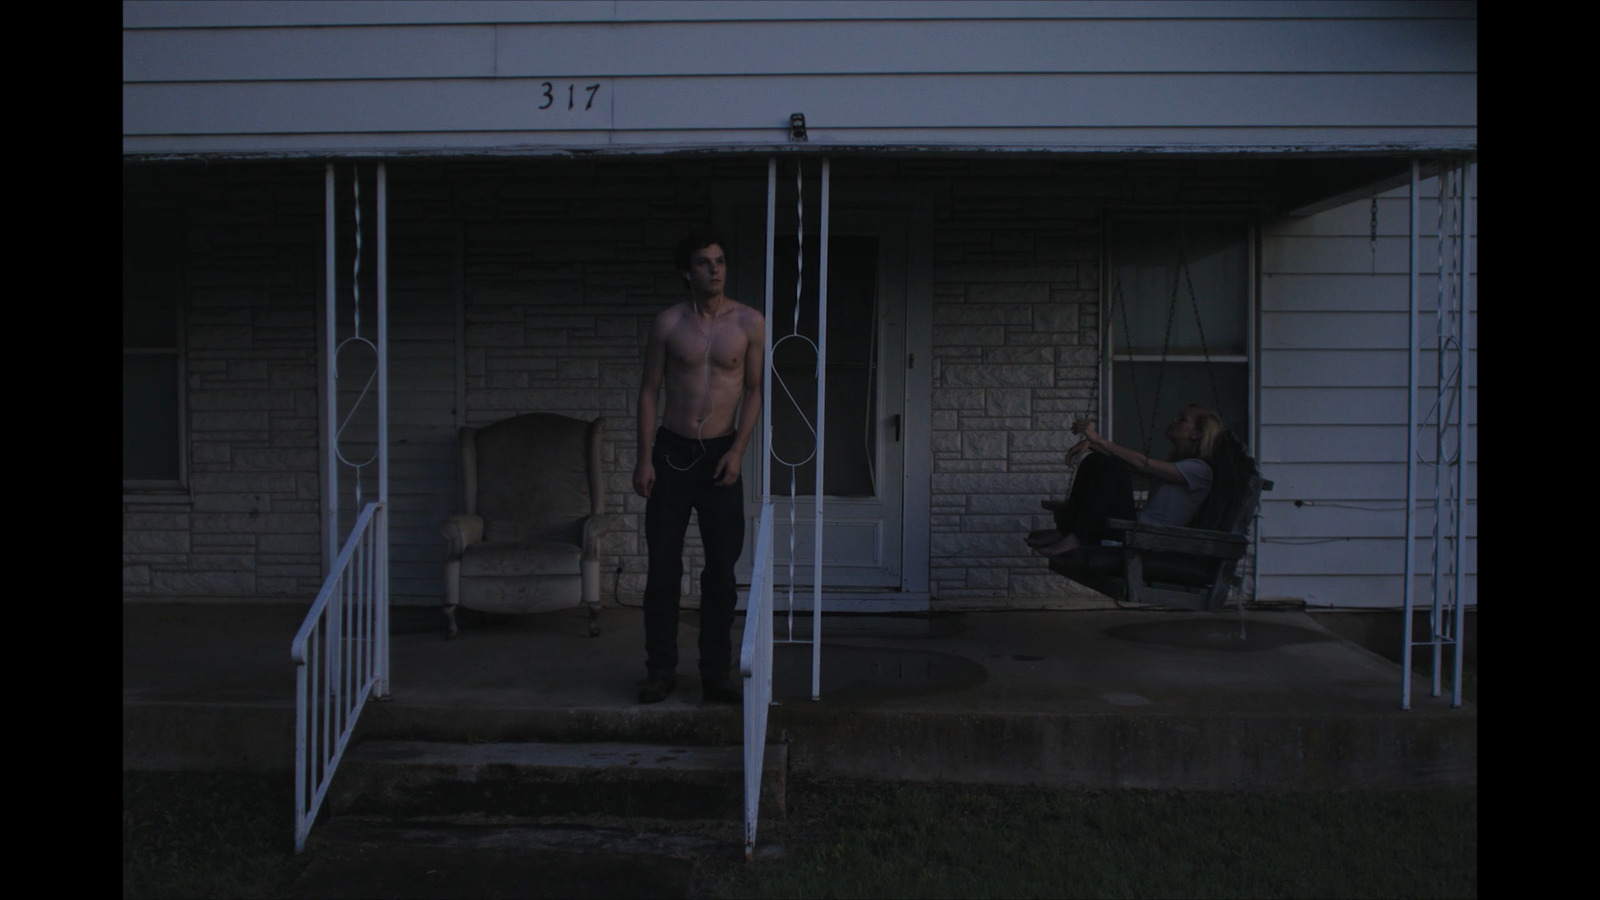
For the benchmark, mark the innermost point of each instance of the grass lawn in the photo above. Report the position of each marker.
(899, 840)
(222, 836)
(207, 835)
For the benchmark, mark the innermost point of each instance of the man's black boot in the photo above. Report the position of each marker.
(656, 688)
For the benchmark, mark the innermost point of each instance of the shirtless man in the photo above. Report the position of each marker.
(708, 352)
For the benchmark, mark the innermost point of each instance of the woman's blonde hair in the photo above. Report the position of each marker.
(1210, 426)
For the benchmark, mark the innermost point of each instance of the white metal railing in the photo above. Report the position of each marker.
(341, 657)
(755, 664)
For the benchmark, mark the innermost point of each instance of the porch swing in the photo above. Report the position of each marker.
(1160, 566)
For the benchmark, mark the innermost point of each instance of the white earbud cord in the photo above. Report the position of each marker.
(711, 407)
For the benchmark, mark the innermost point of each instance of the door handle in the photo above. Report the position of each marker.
(896, 418)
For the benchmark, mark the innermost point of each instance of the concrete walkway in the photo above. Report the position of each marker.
(1093, 699)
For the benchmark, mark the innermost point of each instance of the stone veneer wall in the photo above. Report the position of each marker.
(248, 526)
(1015, 306)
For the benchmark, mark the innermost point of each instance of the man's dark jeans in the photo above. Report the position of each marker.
(684, 482)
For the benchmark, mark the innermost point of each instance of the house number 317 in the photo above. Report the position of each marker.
(551, 95)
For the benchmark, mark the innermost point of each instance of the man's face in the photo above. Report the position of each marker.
(708, 270)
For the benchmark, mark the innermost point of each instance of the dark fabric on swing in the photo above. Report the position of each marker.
(1101, 490)
(1231, 468)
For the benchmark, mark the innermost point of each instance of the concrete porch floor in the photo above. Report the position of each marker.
(1089, 698)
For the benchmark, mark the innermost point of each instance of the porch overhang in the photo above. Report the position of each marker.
(1305, 179)
(220, 148)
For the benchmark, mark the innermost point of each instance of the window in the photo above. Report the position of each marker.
(1178, 324)
(152, 358)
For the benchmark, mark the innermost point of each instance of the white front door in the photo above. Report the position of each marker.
(864, 427)
(425, 263)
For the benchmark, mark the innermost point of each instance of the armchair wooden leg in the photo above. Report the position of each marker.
(594, 620)
(452, 595)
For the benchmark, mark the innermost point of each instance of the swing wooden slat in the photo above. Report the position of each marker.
(1169, 539)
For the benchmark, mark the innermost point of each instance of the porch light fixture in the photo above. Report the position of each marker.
(797, 126)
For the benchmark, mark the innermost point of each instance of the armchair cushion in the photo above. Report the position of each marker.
(520, 559)
(533, 486)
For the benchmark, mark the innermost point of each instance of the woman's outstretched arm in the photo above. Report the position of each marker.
(1139, 462)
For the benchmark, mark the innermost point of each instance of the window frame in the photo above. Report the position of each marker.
(171, 229)
(1109, 326)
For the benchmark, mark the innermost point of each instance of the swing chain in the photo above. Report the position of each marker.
(1117, 299)
(1205, 349)
(1372, 234)
(1182, 275)
(1166, 340)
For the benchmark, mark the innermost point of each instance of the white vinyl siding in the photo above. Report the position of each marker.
(1333, 406)
(245, 78)
(268, 13)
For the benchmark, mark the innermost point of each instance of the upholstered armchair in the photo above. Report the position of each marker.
(528, 537)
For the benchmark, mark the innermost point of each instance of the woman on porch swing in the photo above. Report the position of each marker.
(1103, 489)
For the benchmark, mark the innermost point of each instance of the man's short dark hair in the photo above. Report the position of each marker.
(696, 241)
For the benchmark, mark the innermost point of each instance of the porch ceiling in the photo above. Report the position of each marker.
(1303, 187)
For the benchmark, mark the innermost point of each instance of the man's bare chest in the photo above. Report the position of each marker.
(695, 345)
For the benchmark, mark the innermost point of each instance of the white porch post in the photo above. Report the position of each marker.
(330, 391)
(766, 375)
(381, 689)
(1464, 457)
(818, 424)
(1448, 413)
(822, 406)
(330, 497)
(1411, 442)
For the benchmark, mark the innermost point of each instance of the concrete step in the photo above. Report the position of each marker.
(1198, 749)
(403, 778)
(1176, 738)
(450, 719)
